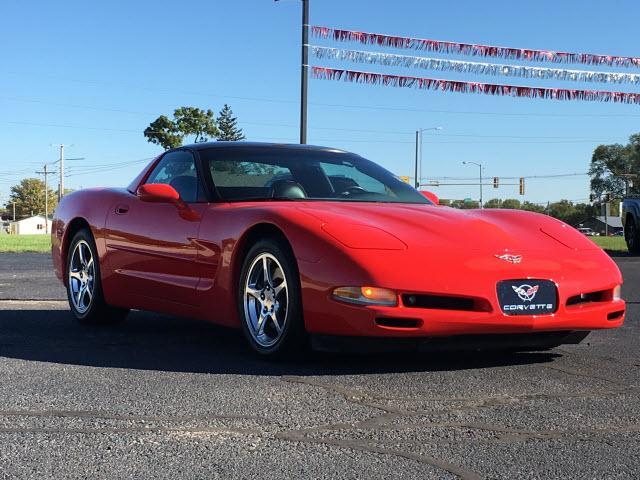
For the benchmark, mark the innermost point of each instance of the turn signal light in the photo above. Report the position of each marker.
(367, 296)
(616, 292)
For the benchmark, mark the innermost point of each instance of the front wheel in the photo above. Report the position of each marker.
(84, 290)
(632, 236)
(269, 300)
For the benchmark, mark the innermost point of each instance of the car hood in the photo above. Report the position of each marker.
(409, 226)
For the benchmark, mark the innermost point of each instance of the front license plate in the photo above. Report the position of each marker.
(527, 297)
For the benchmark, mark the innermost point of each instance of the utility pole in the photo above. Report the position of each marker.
(304, 72)
(61, 185)
(417, 182)
(14, 211)
(606, 219)
(46, 173)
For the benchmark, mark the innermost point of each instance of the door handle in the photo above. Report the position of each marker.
(122, 209)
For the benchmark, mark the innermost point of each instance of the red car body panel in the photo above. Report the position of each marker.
(152, 258)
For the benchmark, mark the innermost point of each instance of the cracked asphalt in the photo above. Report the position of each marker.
(162, 397)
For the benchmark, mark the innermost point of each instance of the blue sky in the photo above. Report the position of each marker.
(94, 74)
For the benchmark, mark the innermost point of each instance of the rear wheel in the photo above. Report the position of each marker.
(84, 289)
(269, 300)
(632, 236)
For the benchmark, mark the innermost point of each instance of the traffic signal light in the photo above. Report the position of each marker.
(521, 185)
(592, 197)
(496, 182)
(607, 197)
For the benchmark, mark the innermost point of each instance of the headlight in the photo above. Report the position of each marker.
(367, 296)
(616, 292)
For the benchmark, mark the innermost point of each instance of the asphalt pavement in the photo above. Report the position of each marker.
(164, 397)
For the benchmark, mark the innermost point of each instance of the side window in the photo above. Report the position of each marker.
(178, 169)
(246, 179)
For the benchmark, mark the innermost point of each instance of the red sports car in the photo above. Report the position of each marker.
(293, 243)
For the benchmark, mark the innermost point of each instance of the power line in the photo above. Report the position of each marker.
(348, 140)
(557, 175)
(324, 104)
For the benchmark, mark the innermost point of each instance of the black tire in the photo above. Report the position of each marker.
(293, 339)
(632, 236)
(97, 311)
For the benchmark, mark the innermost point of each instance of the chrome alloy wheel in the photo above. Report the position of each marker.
(81, 277)
(266, 298)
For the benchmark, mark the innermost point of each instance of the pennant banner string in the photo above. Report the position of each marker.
(325, 73)
(473, 49)
(393, 60)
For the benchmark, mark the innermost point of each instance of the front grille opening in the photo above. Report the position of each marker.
(407, 323)
(446, 302)
(591, 297)
(615, 315)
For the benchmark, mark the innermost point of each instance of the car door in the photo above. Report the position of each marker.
(151, 247)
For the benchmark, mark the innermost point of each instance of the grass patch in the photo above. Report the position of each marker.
(25, 243)
(613, 244)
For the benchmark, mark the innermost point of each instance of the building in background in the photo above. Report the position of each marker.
(597, 224)
(30, 226)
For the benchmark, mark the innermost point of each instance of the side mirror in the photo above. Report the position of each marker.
(158, 193)
(163, 193)
(431, 196)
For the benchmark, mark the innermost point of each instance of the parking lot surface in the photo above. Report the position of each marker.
(164, 397)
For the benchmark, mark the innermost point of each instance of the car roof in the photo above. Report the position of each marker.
(261, 145)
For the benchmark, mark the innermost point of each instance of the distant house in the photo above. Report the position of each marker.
(30, 226)
(597, 224)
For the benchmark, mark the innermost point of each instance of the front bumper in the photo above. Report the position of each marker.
(471, 275)
(342, 319)
(538, 341)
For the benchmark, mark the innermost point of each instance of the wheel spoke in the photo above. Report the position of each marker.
(90, 263)
(266, 272)
(261, 323)
(74, 274)
(276, 323)
(280, 287)
(81, 255)
(79, 297)
(253, 291)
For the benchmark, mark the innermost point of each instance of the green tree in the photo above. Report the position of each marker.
(563, 210)
(493, 203)
(164, 132)
(610, 162)
(29, 198)
(532, 207)
(465, 205)
(511, 203)
(228, 125)
(193, 121)
(187, 122)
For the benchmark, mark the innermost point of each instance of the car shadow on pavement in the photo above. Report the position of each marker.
(148, 341)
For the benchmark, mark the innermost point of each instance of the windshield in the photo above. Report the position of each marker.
(241, 174)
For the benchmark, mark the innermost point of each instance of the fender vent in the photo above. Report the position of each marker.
(446, 302)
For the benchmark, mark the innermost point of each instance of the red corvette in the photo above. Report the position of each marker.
(297, 242)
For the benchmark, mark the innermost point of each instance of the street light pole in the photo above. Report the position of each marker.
(417, 179)
(305, 72)
(479, 165)
(419, 152)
